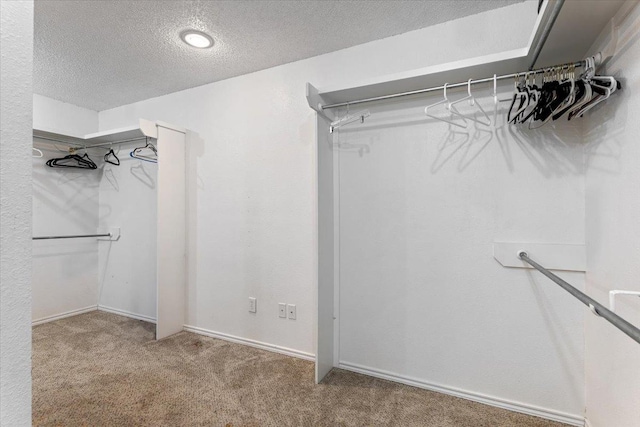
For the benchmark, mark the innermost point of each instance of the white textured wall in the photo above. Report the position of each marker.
(128, 199)
(65, 201)
(613, 233)
(252, 177)
(421, 296)
(16, 48)
(65, 272)
(56, 116)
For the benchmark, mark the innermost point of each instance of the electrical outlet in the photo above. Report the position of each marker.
(291, 309)
(253, 305)
(282, 310)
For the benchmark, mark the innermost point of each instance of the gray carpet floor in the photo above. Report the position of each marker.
(99, 369)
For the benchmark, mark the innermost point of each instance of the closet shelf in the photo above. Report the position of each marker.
(144, 129)
(569, 32)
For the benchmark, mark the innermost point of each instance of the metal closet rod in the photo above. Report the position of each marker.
(597, 308)
(76, 236)
(102, 144)
(454, 85)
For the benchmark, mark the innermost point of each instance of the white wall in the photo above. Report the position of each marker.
(65, 201)
(65, 272)
(252, 180)
(65, 118)
(421, 296)
(613, 233)
(128, 199)
(16, 35)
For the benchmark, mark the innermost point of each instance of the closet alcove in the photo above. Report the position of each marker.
(407, 280)
(139, 269)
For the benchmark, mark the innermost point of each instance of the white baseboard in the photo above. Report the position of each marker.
(64, 315)
(127, 313)
(549, 414)
(510, 405)
(251, 343)
(201, 331)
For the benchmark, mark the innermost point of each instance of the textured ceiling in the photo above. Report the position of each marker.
(103, 54)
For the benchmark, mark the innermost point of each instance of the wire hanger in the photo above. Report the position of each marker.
(151, 155)
(37, 153)
(472, 102)
(446, 102)
(111, 157)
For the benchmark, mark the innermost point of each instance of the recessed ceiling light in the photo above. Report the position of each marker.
(196, 39)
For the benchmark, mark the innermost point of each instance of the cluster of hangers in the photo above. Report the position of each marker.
(451, 106)
(72, 161)
(560, 94)
(147, 153)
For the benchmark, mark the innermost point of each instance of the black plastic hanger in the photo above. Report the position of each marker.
(107, 158)
(72, 161)
(580, 93)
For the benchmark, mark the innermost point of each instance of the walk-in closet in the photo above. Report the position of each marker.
(111, 238)
(320, 213)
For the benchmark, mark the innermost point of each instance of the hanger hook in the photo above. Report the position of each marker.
(469, 87)
(445, 91)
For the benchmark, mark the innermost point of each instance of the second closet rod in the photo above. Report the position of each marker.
(75, 236)
(598, 59)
